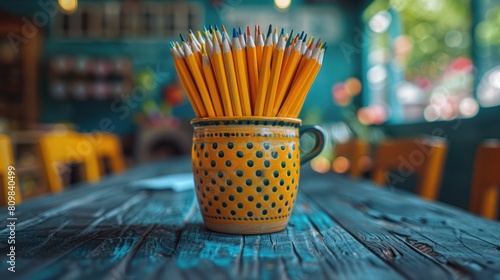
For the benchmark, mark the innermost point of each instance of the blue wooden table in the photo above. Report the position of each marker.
(340, 228)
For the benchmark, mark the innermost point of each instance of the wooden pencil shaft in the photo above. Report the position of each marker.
(274, 78)
(221, 77)
(294, 112)
(295, 90)
(189, 86)
(305, 90)
(240, 66)
(212, 87)
(253, 71)
(199, 80)
(264, 73)
(286, 79)
(232, 79)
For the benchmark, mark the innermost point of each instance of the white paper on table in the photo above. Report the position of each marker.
(177, 182)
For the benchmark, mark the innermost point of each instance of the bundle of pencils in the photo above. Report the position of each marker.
(248, 75)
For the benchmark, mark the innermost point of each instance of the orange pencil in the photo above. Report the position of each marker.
(264, 73)
(286, 76)
(220, 75)
(305, 90)
(188, 84)
(198, 79)
(231, 77)
(275, 74)
(253, 70)
(297, 87)
(240, 65)
(259, 47)
(212, 86)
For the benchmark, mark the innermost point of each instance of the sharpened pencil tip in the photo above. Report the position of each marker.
(223, 36)
(301, 35)
(204, 28)
(239, 30)
(190, 31)
(304, 39)
(235, 33)
(282, 32)
(290, 38)
(216, 27)
(269, 30)
(182, 38)
(248, 31)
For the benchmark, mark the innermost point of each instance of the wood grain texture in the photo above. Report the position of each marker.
(340, 229)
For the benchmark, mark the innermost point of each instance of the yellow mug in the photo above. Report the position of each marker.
(246, 171)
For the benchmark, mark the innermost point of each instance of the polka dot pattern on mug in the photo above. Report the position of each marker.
(248, 177)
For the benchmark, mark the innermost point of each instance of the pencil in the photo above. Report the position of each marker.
(298, 105)
(259, 46)
(253, 70)
(297, 88)
(288, 49)
(188, 84)
(240, 66)
(198, 79)
(211, 83)
(264, 74)
(231, 76)
(220, 74)
(260, 74)
(275, 75)
(286, 76)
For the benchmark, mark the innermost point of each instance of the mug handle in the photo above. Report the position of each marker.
(319, 136)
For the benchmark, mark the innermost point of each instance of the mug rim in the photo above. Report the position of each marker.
(237, 119)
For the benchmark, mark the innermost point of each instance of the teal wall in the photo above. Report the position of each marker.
(155, 54)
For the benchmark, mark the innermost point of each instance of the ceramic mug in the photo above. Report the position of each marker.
(246, 171)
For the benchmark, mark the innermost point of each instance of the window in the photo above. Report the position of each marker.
(418, 59)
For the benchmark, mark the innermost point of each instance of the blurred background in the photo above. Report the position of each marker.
(394, 69)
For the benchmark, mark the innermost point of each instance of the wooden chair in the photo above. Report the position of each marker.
(424, 157)
(486, 179)
(58, 151)
(108, 147)
(355, 152)
(7, 160)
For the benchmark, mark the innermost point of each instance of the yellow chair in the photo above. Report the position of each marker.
(8, 174)
(58, 151)
(352, 156)
(108, 146)
(423, 157)
(486, 180)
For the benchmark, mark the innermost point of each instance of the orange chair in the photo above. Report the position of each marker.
(352, 156)
(423, 157)
(57, 151)
(108, 147)
(486, 180)
(8, 174)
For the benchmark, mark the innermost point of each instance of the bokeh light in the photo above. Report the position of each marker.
(320, 164)
(282, 4)
(341, 165)
(68, 6)
(377, 74)
(352, 86)
(380, 22)
(468, 107)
